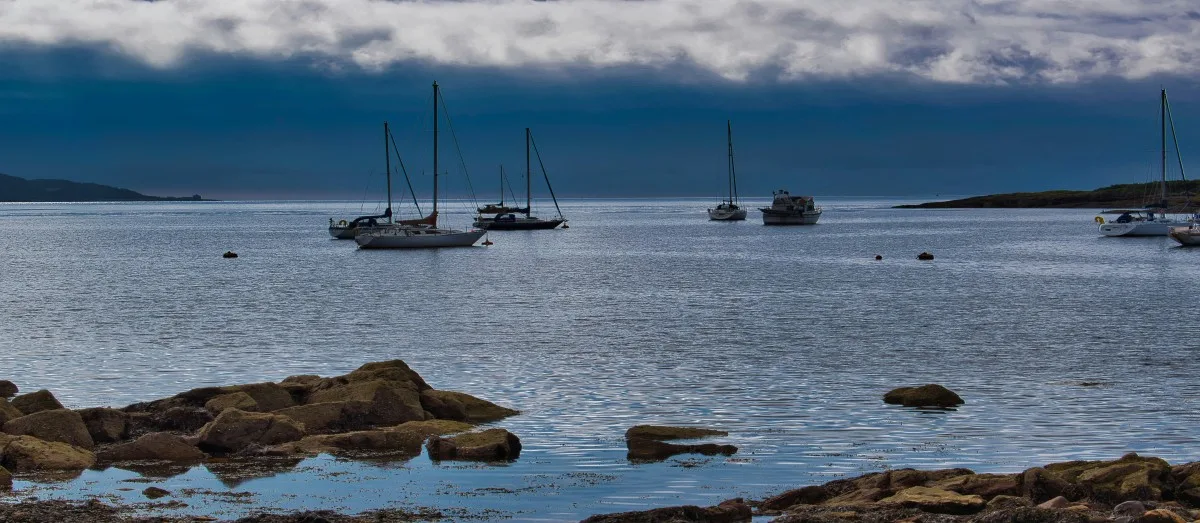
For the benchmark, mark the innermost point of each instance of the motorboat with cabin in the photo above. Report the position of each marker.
(786, 209)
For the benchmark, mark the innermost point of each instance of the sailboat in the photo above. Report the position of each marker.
(728, 210)
(347, 230)
(500, 208)
(1153, 220)
(424, 235)
(513, 221)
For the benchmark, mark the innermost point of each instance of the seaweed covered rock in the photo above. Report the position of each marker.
(445, 404)
(663, 433)
(27, 453)
(1131, 477)
(61, 425)
(390, 402)
(105, 425)
(36, 402)
(731, 511)
(647, 442)
(331, 416)
(487, 445)
(235, 430)
(930, 395)
(162, 446)
(928, 499)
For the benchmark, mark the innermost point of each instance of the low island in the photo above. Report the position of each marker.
(15, 189)
(1133, 195)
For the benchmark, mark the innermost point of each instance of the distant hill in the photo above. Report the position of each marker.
(1181, 194)
(14, 189)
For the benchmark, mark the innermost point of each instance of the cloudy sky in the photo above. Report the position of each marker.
(286, 98)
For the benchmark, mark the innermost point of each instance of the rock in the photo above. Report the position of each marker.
(157, 446)
(267, 396)
(654, 450)
(391, 402)
(925, 256)
(663, 433)
(810, 495)
(155, 492)
(1131, 509)
(731, 511)
(458, 406)
(1039, 484)
(928, 499)
(335, 416)
(931, 395)
(229, 254)
(36, 402)
(363, 441)
(857, 497)
(233, 400)
(8, 389)
(303, 379)
(435, 427)
(1058, 502)
(1131, 477)
(393, 370)
(1161, 515)
(487, 445)
(1186, 478)
(27, 453)
(1003, 502)
(184, 419)
(105, 425)
(8, 412)
(5, 479)
(60, 425)
(236, 430)
(1032, 515)
(986, 486)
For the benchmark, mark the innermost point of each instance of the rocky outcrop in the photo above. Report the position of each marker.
(731, 511)
(664, 433)
(267, 396)
(8, 412)
(61, 425)
(390, 402)
(931, 395)
(27, 453)
(332, 416)
(5, 479)
(161, 446)
(36, 402)
(1130, 478)
(233, 400)
(8, 389)
(647, 442)
(364, 441)
(105, 425)
(445, 404)
(235, 430)
(928, 499)
(487, 445)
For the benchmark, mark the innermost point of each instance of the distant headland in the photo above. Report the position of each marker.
(14, 189)
(1133, 195)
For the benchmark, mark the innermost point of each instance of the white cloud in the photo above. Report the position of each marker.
(957, 41)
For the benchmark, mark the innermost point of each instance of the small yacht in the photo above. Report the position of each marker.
(1139, 222)
(1187, 236)
(728, 210)
(521, 219)
(786, 209)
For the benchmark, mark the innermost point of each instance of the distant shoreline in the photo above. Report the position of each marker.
(20, 190)
(1133, 196)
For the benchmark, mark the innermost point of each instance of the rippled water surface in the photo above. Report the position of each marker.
(641, 312)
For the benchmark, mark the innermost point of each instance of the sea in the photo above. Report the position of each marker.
(1064, 344)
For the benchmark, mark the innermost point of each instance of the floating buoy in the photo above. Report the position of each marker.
(565, 226)
(878, 257)
(925, 256)
(487, 242)
(229, 254)
(1100, 220)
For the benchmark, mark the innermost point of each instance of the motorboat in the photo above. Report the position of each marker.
(786, 209)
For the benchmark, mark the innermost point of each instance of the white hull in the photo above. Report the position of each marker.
(1186, 236)
(1141, 228)
(727, 215)
(417, 238)
(339, 232)
(801, 218)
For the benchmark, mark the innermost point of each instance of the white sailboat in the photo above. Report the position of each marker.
(512, 219)
(347, 230)
(728, 210)
(1153, 220)
(423, 236)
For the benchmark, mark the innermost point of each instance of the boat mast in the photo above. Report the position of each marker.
(528, 186)
(502, 185)
(387, 160)
(1163, 184)
(435, 149)
(732, 174)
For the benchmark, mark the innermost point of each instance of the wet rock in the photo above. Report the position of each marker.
(303, 379)
(1186, 478)
(487, 445)
(663, 433)
(1161, 515)
(731, 511)
(155, 492)
(1131, 477)
(1032, 515)
(393, 370)
(8, 389)
(1039, 484)
(930, 395)
(233, 400)
(1131, 509)
(267, 396)
(235, 430)
(391, 402)
(435, 427)
(36, 402)
(445, 404)
(8, 412)
(1003, 502)
(643, 449)
(363, 441)
(5, 479)
(105, 425)
(27, 453)
(1057, 502)
(335, 416)
(925, 256)
(184, 419)
(986, 486)
(59, 425)
(810, 495)
(927, 499)
(862, 496)
(157, 446)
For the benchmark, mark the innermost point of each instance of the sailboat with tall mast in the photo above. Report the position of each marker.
(348, 230)
(513, 221)
(424, 235)
(501, 208)
(728, 210)
(1153, 220)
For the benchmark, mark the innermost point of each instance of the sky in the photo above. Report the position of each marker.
(285, 99)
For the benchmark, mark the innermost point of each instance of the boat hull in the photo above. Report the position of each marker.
(534, 224)
(418, 238)
(1186, 236)
(726, 215)
(793, 218)
(1147, 228)
(339, 232)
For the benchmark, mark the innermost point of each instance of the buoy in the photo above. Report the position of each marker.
(229, 254)
(565, 226)
(1100, 220)
(925, 256)
(878, 257)
(487, 242)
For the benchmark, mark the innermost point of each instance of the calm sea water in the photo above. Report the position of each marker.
(641, 312)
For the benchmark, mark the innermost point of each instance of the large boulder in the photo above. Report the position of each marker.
(8, 389)
(157, 446)
(60, 425)
(1186, 478)
(8, 412)
(267, 396)
(391, 402)
(986, 486)
(810, 495)
(358, 442)
(931, 395)
(1038, 485)
(27, 453)
(182, 419)
(393, 370)
(332, 416)
(1131, 477)
(928, 499)
(730, 511)
(235, 430)
(445, 404)
(36, 402)
(105, 425)
(487, 445)
(233, 400)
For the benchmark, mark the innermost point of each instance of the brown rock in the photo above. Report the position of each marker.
(8, 412)
(931, 395)
(642, 449)
(927, 499)
(1039, 484)
(184, 419)
(5, 479)
(335, 416)
(157, 446)
(8, 389)
(105, 425)
(236, 430)
(1058, 502)
(233, 400)
(986, 486)
(731, 511)
(458, 406)
(27, 453)
(1003, 502)
(36, 402)
(155, 492)
(857, 497)
(391, 402)
(267, 396)
(1161, 515)
(487, 445)
(303, 379)
(663, 433)
(363, 441)
(436, 427)
(394, 370)
(60, 425)
(810, 495)
(1130, 477)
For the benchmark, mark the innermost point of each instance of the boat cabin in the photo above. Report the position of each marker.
(784, 201)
